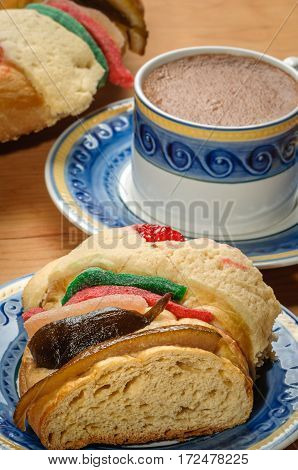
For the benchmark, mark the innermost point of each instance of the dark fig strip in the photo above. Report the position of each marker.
(56, 343)
(190, 336)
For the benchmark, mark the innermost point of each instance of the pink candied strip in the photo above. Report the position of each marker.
(180, 311)
(230, 262)
(118, 73)
(44, 317)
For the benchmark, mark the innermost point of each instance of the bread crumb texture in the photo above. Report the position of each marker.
(56, 64)
(161, 393)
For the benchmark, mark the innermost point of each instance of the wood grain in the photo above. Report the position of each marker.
(32, 231)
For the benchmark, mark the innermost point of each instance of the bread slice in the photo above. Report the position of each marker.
(219, 278)
(22, 108)
(30, 374)
(161, 393)
(58, 68)
(115, 32)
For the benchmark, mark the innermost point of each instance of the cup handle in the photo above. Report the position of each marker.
(292, 62)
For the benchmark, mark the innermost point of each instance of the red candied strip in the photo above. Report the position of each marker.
(158, 233)
(230, 262)
(32, 311)
(118, 73)
(178, 310)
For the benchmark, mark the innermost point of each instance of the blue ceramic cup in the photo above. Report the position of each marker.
(252, 168)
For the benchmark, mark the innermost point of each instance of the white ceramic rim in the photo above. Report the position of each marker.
(190, 51)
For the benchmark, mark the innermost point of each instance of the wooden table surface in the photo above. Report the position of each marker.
(32, 231)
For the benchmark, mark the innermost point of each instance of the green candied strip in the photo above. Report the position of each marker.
(72, 25)
(100, 277)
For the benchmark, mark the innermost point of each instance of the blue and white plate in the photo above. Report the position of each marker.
(83, 174)
(272, 425)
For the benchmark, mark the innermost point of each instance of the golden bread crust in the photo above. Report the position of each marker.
(30, 374)
(52, 414)
(22, 109)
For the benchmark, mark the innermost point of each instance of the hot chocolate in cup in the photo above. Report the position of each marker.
(205, 175)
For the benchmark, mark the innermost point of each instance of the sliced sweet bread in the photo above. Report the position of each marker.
(163, 393)
(52, 72)
(30, 373)
(22, 108)
(75, 27)
(165, 382)
(218, 278)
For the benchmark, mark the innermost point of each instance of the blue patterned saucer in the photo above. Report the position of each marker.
(273, 423)
(88, 160)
